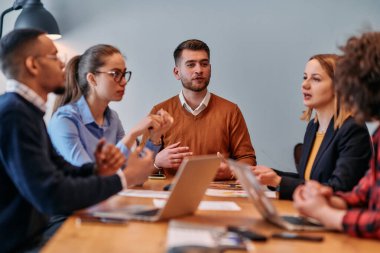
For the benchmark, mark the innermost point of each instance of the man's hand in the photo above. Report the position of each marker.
(140, 166)
(266, 175)
(172, 156)
(108, 158)
(224, 172)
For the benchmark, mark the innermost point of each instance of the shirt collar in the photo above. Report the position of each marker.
(85, 112)
(201, 106)
(26, 92)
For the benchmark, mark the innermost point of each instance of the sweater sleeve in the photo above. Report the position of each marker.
(241, 146)
(43, 178)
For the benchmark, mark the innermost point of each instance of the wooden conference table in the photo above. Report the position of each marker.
(94, 237)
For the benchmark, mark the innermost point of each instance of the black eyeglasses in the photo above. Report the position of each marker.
(118, 75)
(56, 57)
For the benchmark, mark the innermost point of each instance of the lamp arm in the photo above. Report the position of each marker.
(17, 5)
(2, 18)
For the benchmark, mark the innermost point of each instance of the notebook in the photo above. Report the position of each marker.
(264, 205)
(188, 188)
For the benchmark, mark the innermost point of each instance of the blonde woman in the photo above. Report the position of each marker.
(336, 150)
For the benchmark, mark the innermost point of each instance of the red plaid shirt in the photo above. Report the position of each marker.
(363, 216)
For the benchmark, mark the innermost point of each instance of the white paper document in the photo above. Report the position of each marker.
(226, 193)
(179, 235)
(235, 193)
(145, 194)
(183, 235)
(209, 192)
(206, 205)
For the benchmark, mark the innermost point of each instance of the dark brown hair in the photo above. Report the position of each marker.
(77, 69)
(358, 76)
(193, 44)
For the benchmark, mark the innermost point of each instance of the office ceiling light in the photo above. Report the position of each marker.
(33, 15)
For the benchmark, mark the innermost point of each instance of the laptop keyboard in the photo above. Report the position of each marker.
(151, 212)
(300, 221)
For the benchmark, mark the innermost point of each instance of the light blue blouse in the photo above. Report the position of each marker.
(75, 133)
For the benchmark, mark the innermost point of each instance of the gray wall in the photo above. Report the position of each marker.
(258, 52)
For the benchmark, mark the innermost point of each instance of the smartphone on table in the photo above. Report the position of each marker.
(158, 175)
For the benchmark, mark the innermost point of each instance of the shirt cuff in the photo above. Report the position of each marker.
(124, 149)
(123, 180)
(154, 148)
(351, 222)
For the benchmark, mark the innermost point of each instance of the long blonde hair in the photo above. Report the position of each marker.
(341, 113)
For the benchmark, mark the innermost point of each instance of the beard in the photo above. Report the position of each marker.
(59, 90)
(190, 86)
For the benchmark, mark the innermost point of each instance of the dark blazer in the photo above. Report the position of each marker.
(34, 180)
(341, 161)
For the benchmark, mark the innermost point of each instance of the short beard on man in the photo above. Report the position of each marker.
(195, 89)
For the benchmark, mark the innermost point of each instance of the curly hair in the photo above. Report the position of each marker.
(358, 76)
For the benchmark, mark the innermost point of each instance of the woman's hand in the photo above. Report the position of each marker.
(266, 175)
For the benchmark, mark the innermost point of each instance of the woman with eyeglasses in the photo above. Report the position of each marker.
(82, 116)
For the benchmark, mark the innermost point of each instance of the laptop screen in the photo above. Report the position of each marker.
(253, 188)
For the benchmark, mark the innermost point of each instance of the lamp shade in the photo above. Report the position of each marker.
(34, 15)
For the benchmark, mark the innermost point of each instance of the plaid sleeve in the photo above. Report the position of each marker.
(362, 223)
(363, 220)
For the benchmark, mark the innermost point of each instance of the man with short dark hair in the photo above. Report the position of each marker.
(204, 123)
(35, 181)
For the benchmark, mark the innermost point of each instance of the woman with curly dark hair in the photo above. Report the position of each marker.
(358, 84)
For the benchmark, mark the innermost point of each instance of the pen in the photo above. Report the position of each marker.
(106, 220)
(247, 233)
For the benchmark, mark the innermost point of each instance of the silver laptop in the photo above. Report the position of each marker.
(264, 205)
(187, 190)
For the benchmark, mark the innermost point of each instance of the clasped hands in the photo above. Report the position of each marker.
(109, 159)
(154, 126)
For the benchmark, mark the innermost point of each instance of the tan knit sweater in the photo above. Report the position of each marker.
(219, 128)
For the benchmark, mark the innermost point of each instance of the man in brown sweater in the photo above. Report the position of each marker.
(204, 123)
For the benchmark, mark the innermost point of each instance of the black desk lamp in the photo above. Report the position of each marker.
(33, 15)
